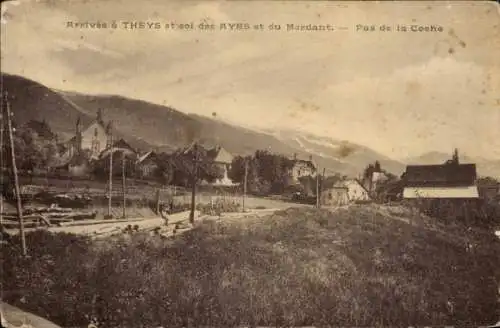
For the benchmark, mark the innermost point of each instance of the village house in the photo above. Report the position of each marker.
(91, 143)
(343, 193)
(447, 190)
(219, 157)
(91, 139)
(450, 180)
(302, 168)
(223, 159)
(374, 177)
(122, 147)
(488, 188)
(147, 164)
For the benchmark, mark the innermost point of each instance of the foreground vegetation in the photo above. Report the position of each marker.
(360, 266)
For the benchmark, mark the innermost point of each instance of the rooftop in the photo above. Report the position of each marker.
(448, 174)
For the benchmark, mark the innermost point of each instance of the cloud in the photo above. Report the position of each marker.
(74, 45)
(378, 89)
(436, 105)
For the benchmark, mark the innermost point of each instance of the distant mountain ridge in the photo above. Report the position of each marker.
(485, 167)
(151, 126)
(344, 152)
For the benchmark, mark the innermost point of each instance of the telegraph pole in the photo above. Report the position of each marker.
(317, 188)
(194, 181)
(110, 187)
(321, 185)
(123, 183)
(16, 179)
(1, 163)
(245, 184)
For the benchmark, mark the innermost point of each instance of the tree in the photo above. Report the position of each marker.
(184, 167)
(237, 170)
(164, 172)
(487, 181)
(273, 169)
(32, 150)
(210, 171)
(368, 172)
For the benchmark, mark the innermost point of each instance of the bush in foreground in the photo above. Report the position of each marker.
(355, 267)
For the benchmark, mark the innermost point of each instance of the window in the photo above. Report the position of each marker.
(95, 132)
(95, 146)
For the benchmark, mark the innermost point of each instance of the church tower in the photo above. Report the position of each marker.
(99, 117)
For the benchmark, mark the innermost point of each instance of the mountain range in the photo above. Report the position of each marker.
(148, 126)
(485, 167)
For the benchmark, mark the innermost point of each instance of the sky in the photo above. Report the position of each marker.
(400, 93)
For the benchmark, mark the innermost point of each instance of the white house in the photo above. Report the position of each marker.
(302, 168)
(344, 192)
(223, 159)
(93, 138)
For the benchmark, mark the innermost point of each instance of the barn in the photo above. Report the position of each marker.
(446, 181)
(446, 190)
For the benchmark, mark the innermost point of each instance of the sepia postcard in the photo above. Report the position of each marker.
(250, 163)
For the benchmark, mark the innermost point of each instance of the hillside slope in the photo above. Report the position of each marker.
(146, 125)
(166, 127)
(32, 101)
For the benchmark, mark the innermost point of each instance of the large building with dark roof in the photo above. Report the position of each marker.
(450, 180)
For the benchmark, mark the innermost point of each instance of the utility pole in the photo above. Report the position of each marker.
(16, 179)
(194, 181)
(1, 163)
(321, 184)
(245, 184)
(110, 187)
(317, 188)
(157, 201)
(123, 184)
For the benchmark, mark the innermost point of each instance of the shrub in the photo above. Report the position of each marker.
(482, 213)
(221, 205)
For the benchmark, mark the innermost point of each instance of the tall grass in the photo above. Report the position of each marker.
(298, 267)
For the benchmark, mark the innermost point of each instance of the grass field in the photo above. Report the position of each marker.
(364, 265)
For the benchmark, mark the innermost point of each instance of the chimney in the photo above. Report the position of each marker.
(311, 158)
(294, 156)
(455, 156)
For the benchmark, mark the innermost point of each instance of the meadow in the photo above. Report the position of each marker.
(364, 265)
